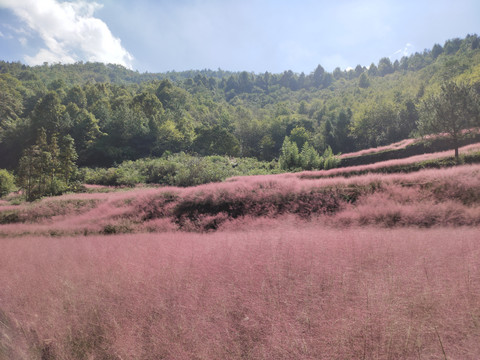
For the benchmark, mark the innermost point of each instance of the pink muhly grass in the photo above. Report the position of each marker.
(386, 164)
(406, 142)
(303, 292)
(395, 146)
(211, 206)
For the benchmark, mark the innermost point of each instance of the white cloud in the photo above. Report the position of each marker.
(70, 32)
(405, 51)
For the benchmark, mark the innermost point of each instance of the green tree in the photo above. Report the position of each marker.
(216, 141)
(289, 156)
(34, 166)
(76, 95)
(385, 66)
(67, 159)
(299, 135)
(28, 173)
(343, 140)
(11, 106)
(46, 168)
(171, 97)
(455, 111)
(309, 158)
(372, 70)
(318, 76)
(330, 161)
(54, 165)
(267, 147)
(363, 81)
(7, 182)
(436, 50)
(49, 114)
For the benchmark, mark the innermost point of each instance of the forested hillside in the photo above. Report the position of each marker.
(113, 114)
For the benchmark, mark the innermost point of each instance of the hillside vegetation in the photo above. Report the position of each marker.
(114, 114)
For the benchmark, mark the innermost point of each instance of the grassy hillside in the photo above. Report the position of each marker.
(326, 264)
(339, 197)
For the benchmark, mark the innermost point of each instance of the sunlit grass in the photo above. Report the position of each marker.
(279, 291)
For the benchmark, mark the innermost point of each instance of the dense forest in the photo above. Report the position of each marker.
(103, 115)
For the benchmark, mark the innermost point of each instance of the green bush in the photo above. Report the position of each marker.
(7, 182)
(178, 170)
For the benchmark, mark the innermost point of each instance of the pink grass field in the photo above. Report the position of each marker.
(372, 266)
(434, 197)
(395, 146)
(273, 292)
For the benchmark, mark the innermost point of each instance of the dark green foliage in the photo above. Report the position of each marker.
(177, 170)
(45, 168)
(216, 141)
(363, 81)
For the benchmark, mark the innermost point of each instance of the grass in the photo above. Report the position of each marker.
(277, 291)
(433, 197)
(351, 263)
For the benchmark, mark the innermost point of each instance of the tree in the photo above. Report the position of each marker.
(216, 141)
(77, 96)
(372, 70)
(289, 156)
(11, 106)
(363, 81)
(7, 182)
(67, 159)
(436, 51)
(28, 173)
(309, 158)
(34, 168)
(318, 75)
(46, 168)
(343, 140)
(299, 136)
(49, 114)
(454, 111)
(330, 161)
(385, 66)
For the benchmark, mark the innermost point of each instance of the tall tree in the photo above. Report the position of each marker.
(67, 159)
(385, 66)
(49, 114)
(454, 111)
(289, 156)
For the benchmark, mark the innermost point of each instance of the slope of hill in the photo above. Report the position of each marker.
(114, 114)
(446, 196)
(281, 266)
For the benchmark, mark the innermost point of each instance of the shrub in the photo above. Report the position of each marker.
(7, 182)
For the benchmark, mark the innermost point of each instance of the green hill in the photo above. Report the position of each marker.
(115, 114)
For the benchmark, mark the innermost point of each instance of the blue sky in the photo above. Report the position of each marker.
(251, 35)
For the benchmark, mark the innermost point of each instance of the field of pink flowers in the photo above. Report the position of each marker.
(433, 197)
(395, 146)
(276, 291)
(290, 266)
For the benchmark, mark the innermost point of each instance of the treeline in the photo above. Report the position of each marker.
(115, 115)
